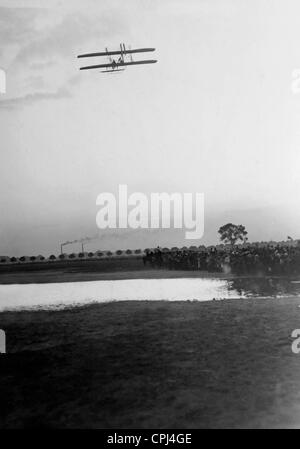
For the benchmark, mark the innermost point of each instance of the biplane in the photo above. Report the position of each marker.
(117, 65)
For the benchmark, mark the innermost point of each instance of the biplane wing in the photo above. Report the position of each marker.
(118, 52)
(118, 64)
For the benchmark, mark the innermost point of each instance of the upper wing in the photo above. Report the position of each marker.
(118, 52)
(102, 66)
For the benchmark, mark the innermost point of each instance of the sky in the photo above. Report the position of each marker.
(215, 115)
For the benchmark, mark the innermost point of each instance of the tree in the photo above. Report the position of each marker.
(231, 233)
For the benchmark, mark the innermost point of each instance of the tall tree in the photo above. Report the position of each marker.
(231, 233)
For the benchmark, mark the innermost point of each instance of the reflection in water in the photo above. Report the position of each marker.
(66, 294)
(262, 286)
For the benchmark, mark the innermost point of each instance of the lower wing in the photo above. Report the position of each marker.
(122, 64)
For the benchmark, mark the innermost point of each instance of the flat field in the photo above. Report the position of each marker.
(152, 365)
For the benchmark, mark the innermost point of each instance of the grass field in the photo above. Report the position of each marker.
(152, 365)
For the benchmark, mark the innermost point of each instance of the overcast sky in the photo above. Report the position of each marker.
(216, 115)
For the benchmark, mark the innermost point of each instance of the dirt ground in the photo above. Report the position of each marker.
(152, 365)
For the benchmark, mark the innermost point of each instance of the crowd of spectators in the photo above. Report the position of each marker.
(240, 259)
